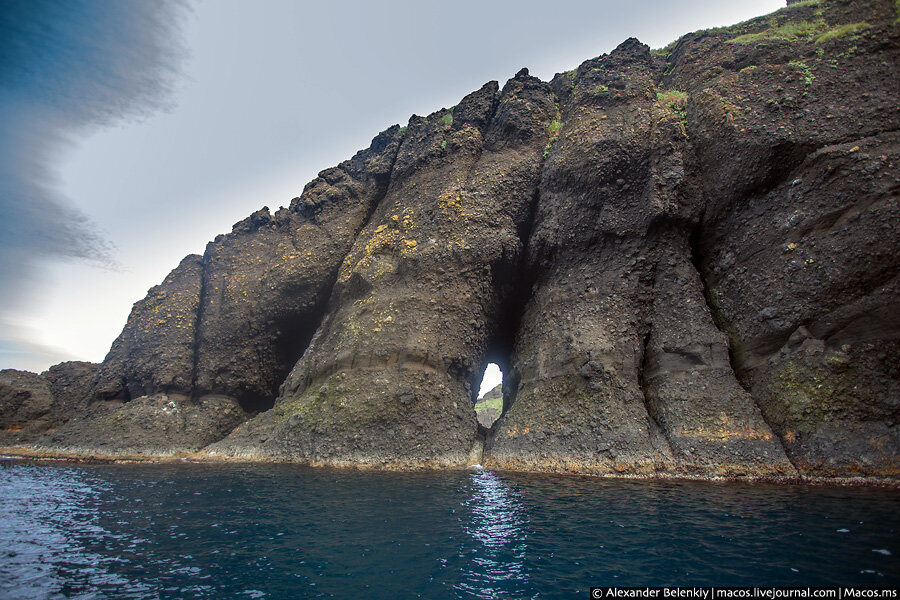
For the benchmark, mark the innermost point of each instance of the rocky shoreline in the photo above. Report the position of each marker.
(32, 455)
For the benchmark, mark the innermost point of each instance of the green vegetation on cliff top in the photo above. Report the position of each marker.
(817, 31)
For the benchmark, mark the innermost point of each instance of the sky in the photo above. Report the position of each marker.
(133, 132)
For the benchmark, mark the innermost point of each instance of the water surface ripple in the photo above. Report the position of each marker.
(282, 531)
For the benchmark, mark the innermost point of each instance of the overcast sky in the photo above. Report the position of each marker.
(132, 132)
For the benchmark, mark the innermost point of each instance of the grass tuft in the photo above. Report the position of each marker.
(804, 3)
(795, 31)
(553, 131)
(791, 31)
(807, 72)
(553, 128)
(842, 31)
(673, 99)
(667, 49)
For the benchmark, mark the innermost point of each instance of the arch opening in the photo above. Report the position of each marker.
(489, 401)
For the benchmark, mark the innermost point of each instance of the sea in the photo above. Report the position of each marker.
(282, 531)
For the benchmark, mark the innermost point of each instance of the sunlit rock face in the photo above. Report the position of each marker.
(685, 262)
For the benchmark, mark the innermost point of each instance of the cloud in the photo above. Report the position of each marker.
(94, 61)
(17, 351)
(69, 67)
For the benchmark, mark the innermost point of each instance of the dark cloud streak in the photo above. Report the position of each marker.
(68, 67)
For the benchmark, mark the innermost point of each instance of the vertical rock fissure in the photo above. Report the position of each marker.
(521, 292)
(201, 301)
(382, 194)
(505, 280)
(720, 322)
(126, 393)
(512, 311)
(323, 304)
(649, 404)
(383, 189)
(295, 342)
(529, 223)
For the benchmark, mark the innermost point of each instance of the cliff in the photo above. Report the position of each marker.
(685, 261)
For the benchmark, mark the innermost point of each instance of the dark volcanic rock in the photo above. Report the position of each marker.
(155, 351)
(620, 368)
(798, 146)
(711, 423)
(578, 402)
(72, 381)
(25, 403)
(389, 376)
(155, 425)
(234, 321)
(687, 263)
(230, 324)
(32, 405)
(265, 284)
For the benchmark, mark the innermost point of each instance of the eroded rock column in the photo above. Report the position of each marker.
(799, 247)
(578, 405)
(618, 325)
(387, 379)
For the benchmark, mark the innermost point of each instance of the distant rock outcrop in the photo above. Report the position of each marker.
(686, 261)
(489, 408)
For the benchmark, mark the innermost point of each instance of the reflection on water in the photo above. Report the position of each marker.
(279, 531)
(43, 539)
(497, 523)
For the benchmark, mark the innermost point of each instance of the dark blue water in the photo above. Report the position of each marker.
(262, 531)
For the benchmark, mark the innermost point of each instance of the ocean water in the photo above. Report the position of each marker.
(280, 531)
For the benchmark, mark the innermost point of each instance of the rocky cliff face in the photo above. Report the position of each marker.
(685, 261)
(32, 404)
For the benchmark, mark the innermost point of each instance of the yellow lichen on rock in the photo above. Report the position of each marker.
(723, 428)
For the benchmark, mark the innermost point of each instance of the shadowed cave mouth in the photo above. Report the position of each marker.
(293, 336)
(489, 401)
